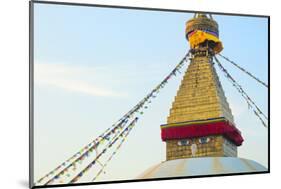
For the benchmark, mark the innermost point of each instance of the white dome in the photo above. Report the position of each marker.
(202, 166)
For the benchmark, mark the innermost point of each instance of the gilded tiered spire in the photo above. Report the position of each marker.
(200, 121)
(200, 95)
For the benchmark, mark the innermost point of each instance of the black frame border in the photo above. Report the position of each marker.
(31, 91)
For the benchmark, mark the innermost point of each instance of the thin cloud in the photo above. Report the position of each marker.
(77, 79)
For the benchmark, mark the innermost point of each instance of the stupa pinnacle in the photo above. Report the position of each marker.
(200, 121)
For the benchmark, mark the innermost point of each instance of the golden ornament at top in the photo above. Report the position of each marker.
(201, 29)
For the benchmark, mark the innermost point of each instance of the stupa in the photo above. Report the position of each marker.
(200, 134)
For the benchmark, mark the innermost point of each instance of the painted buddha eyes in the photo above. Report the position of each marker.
(183, 142)
(202, 140)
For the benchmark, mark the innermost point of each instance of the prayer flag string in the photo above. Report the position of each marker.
(245, 71)
(132, 124)
(84, 152)
(80, 174)
(249, 101)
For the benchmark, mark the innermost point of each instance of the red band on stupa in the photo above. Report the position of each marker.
(200, 130)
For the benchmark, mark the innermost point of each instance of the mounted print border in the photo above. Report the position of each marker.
(98, 72)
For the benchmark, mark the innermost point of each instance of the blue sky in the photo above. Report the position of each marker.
(93, 64)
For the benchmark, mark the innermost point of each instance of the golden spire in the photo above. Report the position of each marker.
(203, 29)
(200, 122)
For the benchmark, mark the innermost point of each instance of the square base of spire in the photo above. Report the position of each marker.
(210, 146)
